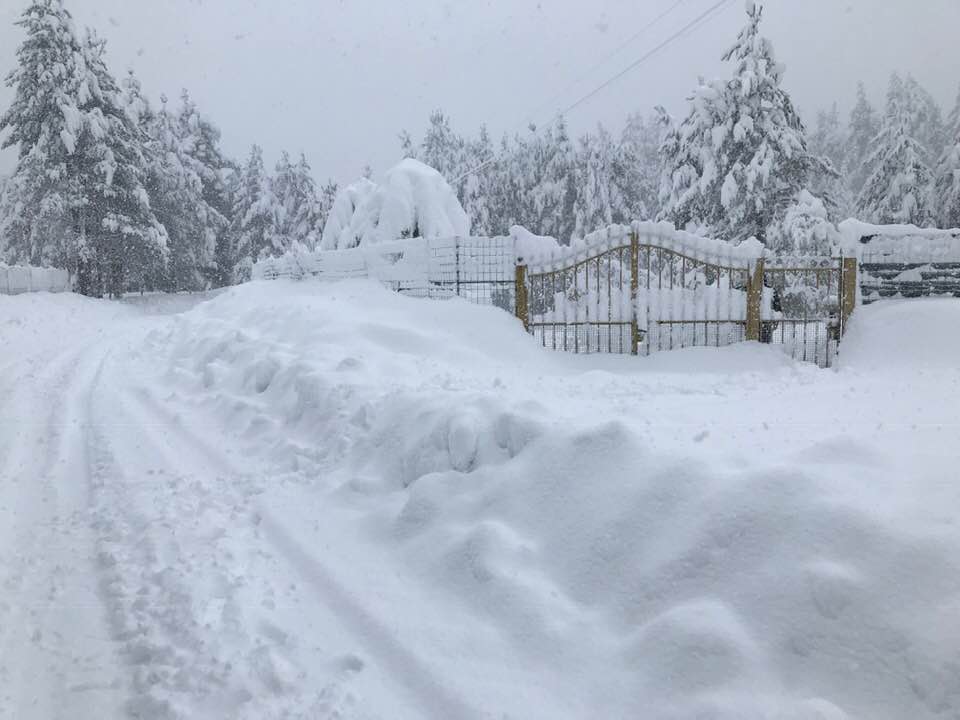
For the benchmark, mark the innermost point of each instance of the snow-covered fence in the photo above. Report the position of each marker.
(906, 261)
(638, 288)
(18, 279)
(648, 287)
(478, 269)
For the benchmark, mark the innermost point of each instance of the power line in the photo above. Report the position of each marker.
(600, 63)
(692, 25)
(689, 27)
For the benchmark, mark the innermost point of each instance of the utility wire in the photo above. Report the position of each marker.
(689, 27)
(600, 63)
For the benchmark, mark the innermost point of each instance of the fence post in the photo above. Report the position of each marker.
(634, 287)
(457, 246)
(754, 299)
(521, 309)
(848, 290)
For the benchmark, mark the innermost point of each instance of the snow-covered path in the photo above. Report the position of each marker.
(303, 502)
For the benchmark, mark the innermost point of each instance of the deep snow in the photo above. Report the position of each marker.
(330, 501)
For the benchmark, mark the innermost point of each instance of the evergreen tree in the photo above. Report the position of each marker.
(637, 165)
(740, 158)
(78, 182)
(201, 142)
(598, 201)
(829, 141)
(298, 215)
(253, 213)
(947, 187)
(863, 129)
(898, 190)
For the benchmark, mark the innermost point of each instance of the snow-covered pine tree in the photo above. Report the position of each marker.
(478, 186)
(637, 169)
(947, 185)
(78, 182)
(201, 142)
(252, 214)
(862, 130)
(298, 214)
(598, 202)
(740, 158)
(927, 126)
(899, 188)
(548, 178)
(829, 141)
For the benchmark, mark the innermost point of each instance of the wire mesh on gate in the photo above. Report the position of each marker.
(801, 307)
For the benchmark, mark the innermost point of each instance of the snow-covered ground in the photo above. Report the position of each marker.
(330, 501)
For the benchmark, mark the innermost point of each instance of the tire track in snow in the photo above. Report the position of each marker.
(64, 661)
(404, 667)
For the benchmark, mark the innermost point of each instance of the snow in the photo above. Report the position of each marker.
(412, 200)
(355, 504)
(901, 243)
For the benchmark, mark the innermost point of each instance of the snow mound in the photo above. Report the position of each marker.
(413, 200)
(903, 335)
(678, 545)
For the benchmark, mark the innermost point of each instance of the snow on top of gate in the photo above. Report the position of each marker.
(545, 256)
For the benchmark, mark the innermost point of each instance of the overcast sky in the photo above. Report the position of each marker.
(338, 79)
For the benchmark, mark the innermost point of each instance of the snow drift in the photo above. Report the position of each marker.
(769, 542)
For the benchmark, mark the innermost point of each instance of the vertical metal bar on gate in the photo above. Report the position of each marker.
(754, 299)
(634, 288)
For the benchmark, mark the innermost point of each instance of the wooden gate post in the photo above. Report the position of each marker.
(754, 299)
(521, 309)
(634, 287)
(848, 290)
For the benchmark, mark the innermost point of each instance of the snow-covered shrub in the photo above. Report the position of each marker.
(413, 200)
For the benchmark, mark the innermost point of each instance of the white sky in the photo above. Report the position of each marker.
(338, 79)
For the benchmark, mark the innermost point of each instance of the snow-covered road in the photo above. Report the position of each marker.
(296, 501)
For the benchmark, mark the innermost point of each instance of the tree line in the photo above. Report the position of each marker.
(131, 195)
(128, 195)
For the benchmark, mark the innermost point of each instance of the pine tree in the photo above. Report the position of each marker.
(598, 201)
(740, 158)
(253, 213)
(947, 186)
(201, 142)
(80, 170)
(898, 190)
(863, 128)
(829, 141)
(637, 164)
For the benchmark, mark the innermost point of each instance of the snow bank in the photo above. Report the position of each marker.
(412, 200)
(16, 279)
(775, 543)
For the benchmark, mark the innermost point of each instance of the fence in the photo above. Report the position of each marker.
(909, 263)
(628, 289)
(18, 279)
(649, 288)
(477, 269)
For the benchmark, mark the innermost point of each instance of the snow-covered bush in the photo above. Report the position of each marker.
(413, 200)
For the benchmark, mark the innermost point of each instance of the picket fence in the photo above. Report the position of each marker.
(18, 279)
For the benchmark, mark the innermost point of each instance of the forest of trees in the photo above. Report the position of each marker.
(130, 194)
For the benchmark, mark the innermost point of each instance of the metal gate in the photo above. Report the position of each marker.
(649, 288)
